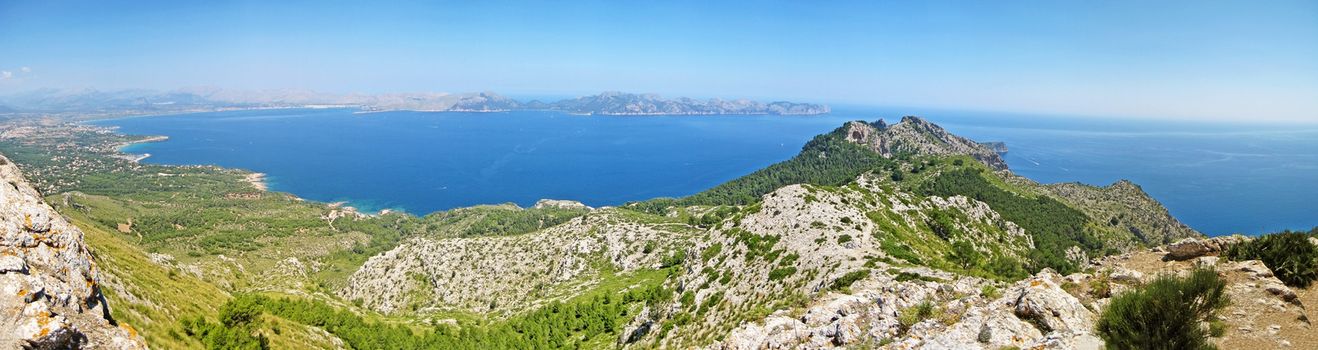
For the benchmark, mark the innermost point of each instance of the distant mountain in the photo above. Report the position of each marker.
(91, 100)
(618, 103)
(608, 103)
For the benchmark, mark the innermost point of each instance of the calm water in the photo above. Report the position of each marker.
(1216, 178)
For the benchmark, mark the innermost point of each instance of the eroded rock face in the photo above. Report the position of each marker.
(49, 292)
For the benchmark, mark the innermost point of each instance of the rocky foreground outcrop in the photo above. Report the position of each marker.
(1046, 311)
(1035, 313)
(49, 292)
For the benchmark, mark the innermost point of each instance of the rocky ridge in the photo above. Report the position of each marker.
(1124, 206)
(508, 273)
(50, 296)
(817, 236)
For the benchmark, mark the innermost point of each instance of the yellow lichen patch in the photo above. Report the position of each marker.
(1036, 283)
(132, 332)
(22, 292)
(43, 319)
(27, 221)
(44, 332)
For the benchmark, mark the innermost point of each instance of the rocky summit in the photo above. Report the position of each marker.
(50, 296)
(918, 136)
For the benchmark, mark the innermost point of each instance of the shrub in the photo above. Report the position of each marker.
(781, 273)
(1216, 328)
(964, 255)
(1290, 255)
(677, 257)
(1166, 314)
(850, 278)
(915, 314)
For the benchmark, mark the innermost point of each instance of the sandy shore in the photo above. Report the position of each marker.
(257, 180)
(136, 157)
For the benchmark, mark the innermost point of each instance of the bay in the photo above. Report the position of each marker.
(1217, 178)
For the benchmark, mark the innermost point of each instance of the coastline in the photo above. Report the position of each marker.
(136, 157)
(257, 180)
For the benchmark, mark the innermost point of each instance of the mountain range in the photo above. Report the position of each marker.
(608, 103)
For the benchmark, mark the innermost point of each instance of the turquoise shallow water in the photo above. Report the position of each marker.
(1216, 178)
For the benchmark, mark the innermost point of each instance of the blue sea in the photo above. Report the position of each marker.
(1217, 178)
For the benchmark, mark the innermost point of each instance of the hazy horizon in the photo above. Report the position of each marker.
(1219, 60)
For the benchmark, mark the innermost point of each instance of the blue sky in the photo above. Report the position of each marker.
(1252, 60)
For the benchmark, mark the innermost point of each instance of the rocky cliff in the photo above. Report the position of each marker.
(914, 135)
(49, 292)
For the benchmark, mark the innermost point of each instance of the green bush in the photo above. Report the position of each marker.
(781, 273)
(238, 318)
(915, 314)
(850, 278)
(1289, 254)
(964, 255)
(1168, 313)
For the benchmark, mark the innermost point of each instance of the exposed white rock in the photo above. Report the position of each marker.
(504, 273)
(1125, 275)
(1043, 301)
(560, 204)
(1188, 248)
(50, 296)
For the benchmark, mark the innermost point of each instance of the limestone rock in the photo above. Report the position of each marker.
(560, 204)
(1125, 275)
(1188, 248)
(1042, 301)
(49, 292)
